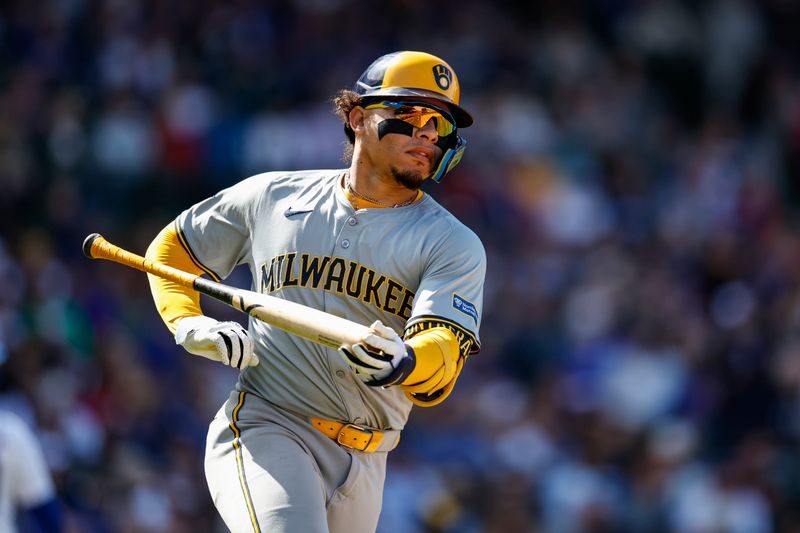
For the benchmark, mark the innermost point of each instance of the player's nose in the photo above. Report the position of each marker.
(428, 131)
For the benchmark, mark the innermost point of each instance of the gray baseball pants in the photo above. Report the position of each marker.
(269, 470)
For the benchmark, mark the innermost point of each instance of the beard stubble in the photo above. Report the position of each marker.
(410, 179)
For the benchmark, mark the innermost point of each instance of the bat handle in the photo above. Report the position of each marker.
(96, 247)
(88, 242)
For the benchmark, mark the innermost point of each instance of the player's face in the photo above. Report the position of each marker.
(402, 140)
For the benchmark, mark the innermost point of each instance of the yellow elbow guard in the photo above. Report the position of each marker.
(438, 365)
(172, 300)
(438, 396)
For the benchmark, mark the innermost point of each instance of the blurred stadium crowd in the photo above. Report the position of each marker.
(633, 173)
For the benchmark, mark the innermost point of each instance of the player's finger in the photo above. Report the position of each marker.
(238, 349)
(384, 345)
(370, 358)
(224, 347)
(358, 357)
(249, 356)
(233, 344)
(384, 331)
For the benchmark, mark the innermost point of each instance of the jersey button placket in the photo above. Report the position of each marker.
(345, 243)
(352, 221)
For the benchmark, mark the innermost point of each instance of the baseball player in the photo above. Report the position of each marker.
(26, 487)
(302, 441)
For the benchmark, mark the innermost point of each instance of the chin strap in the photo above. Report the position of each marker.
(452, 146)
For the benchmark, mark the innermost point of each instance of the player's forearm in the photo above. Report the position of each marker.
(437, 354)
(172, 300)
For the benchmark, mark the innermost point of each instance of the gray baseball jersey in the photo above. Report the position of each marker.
(412, 267)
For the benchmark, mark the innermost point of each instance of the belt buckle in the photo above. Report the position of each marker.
(340, 436)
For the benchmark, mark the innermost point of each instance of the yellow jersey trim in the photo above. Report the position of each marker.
(237, 446)
(195, 260)
(467, 342)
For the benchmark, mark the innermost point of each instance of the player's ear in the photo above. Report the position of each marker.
(357, 118)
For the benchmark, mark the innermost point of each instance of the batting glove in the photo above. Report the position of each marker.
(226, 342)
(381, 359)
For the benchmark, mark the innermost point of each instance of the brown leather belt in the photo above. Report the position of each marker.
(356, 437)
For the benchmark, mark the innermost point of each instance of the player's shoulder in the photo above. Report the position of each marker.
(450, 229)
(294, 178)
(269, 187)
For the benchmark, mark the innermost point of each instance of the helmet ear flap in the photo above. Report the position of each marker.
(450, 158)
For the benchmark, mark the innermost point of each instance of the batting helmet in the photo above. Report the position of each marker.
(415, 74)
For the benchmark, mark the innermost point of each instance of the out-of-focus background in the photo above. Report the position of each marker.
(633, 173)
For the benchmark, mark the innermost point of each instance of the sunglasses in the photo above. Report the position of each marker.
(418, 114)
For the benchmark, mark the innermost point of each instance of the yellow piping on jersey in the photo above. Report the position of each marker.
(237, 446)
(467, 342)
(193, 257)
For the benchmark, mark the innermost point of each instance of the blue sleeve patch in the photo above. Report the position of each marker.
(465, 307)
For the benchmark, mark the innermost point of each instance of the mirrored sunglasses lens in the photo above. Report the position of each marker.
(420, 116)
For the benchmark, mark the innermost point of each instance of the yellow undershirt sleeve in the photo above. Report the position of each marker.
(172, 300)
(438, 366)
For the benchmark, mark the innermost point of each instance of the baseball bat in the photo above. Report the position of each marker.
(301, 320)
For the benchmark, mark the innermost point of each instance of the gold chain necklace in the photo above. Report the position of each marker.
(357, 194)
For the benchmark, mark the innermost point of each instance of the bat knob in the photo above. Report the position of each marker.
(87, 244)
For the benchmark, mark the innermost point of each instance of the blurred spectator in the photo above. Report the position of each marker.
(25, 483)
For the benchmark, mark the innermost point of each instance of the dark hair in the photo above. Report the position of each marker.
(343, 103)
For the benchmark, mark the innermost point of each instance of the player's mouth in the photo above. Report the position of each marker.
(421, 154)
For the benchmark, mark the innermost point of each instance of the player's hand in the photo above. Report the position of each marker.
(381, 359)
(226, 342)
